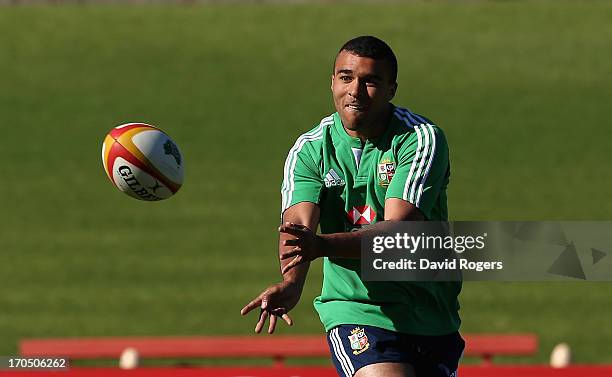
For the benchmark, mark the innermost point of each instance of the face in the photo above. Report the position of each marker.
(362, 88)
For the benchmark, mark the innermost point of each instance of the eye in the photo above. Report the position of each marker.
(345, 78)
(372, 83)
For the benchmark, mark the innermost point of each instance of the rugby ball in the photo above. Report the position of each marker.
(142, 161)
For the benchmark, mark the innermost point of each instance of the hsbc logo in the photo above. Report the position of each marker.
(361, 215)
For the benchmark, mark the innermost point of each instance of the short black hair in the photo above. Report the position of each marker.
(368, 46)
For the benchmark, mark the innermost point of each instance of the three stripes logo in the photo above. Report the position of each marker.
(333, 179)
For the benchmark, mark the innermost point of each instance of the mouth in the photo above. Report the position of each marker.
(355, 107)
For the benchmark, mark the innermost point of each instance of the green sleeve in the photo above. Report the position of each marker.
(302, 181)
(422, 168)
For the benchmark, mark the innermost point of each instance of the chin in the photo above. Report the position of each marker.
(352, 122)
(350, 126)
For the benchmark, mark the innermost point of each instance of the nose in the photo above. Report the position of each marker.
(354, 89)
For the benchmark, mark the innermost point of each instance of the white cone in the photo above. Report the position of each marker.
(561, 356)
(129, 359)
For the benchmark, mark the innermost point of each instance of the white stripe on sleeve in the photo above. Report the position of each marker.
(429, 163)
(425, 155)
(413, 164)
(291, 161)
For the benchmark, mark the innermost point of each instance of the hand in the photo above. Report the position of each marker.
(275, 301)
(308, 245)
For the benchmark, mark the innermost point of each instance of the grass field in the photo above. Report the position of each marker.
(521, 89)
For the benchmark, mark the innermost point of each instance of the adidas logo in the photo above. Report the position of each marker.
(333, 179)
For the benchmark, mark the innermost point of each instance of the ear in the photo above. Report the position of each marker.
(332, 82)
(392, 91)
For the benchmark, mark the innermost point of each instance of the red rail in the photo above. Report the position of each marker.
(465, 371)
(278, 347)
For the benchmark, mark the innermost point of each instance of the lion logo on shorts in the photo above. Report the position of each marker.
(358, 340)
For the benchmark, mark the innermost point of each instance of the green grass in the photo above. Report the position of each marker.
(521, 89)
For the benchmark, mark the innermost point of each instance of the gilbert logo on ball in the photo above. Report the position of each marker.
(143, 161)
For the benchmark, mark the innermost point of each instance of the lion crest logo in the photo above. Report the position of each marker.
(359, 340)
(386, 171)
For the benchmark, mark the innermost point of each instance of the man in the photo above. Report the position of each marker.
(362, 169)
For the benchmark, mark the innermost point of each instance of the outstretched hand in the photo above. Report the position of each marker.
(275, 301)
(307, 245)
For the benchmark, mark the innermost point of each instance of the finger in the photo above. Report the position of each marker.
(298, 226)
(297, 260)
(272, 324)
(293, 242)
(292, 231)
(262, 321)
(291, 253)
(294, 262)
(250, 306)
(287, 319)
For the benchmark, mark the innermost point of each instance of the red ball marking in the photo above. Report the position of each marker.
(116, 132)
(108, 168)
(118, 150)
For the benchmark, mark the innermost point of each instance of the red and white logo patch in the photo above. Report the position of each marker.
(361, 215)
(359, 340)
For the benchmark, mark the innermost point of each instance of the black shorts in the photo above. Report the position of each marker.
(355, 346)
